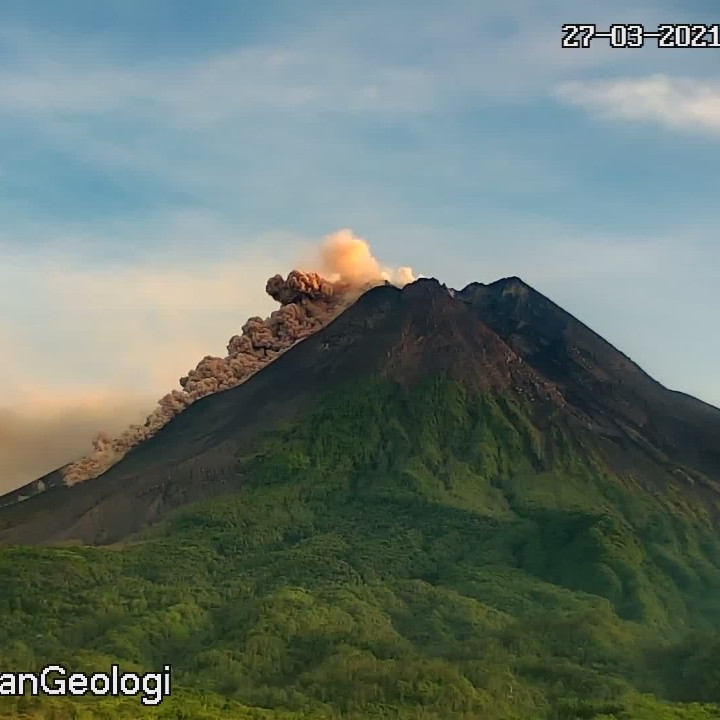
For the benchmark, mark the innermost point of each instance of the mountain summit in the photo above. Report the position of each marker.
(504, 338)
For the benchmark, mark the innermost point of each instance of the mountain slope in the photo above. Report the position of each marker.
(428, 550)
(597, 378)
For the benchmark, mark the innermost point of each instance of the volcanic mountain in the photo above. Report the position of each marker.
(443, 504)
(499, 339)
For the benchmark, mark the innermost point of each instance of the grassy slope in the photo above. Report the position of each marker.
(422, 555)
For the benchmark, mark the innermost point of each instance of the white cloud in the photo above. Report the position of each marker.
(366, 62)
(287, 111)
(214, 89)
(677, 103)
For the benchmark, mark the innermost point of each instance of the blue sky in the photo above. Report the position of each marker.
(158, 160)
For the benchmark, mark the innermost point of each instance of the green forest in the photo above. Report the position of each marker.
(423, 554)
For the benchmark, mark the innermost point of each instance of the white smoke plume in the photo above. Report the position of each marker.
(308, 301)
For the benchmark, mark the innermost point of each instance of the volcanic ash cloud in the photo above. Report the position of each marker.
(308, 301)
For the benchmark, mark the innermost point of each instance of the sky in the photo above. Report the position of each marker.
(160, 160)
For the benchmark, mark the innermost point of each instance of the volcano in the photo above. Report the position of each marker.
(442, 504)
(504, 339)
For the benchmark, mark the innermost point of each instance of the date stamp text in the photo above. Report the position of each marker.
(628, 35)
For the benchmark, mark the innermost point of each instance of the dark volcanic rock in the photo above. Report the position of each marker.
(598, 379)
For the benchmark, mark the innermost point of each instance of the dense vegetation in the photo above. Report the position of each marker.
(424, 554)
